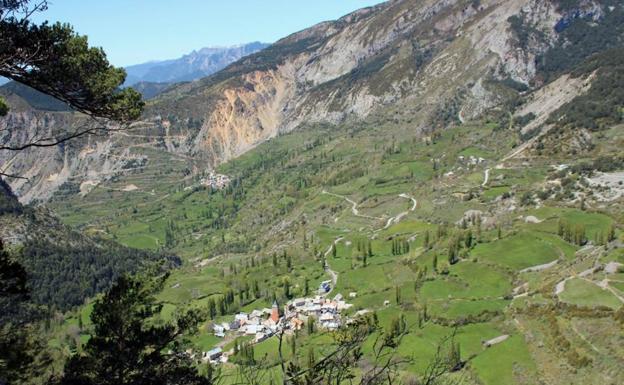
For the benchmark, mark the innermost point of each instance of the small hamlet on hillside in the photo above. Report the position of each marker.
(215, 181)
(265, 323)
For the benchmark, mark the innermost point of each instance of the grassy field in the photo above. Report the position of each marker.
(581, 292)
(505, 363)
(518, 251)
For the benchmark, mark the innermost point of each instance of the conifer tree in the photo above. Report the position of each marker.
(468, 239)
(286, 286)
(55, 60)
(293, 345)
(611, 235)
(127, 347)
(212, 308)
(310, 325)
(454, 357)
(18, 342)
(256, 289)
(311, 358)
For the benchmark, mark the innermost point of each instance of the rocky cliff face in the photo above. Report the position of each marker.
(417, 55)
(398, 51)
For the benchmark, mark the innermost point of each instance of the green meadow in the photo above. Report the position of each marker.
(274, 227)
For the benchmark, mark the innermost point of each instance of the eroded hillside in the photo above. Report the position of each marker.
(440, 60)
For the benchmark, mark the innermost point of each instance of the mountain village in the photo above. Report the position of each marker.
(215, 181)
(261, 324)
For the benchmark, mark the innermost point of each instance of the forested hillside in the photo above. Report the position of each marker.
(66, 267)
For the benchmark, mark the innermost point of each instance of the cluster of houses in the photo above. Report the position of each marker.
(262, 324)
(471, 160)
(326, 311)
(215, 181)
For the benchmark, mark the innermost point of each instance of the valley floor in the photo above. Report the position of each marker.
(453, 236)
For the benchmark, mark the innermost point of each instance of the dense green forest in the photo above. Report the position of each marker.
(65, 272)
(603, 105)
(64, 266)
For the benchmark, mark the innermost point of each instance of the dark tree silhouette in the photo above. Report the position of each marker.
(128, 346)
(18, 342)
(55, 60)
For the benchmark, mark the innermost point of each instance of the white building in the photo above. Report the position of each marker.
(213, 356)
(219, 331)
(253, 329)
(257, 314)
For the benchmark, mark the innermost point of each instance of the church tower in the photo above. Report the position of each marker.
(275, 312)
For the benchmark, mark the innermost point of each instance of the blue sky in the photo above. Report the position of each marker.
(135, 31)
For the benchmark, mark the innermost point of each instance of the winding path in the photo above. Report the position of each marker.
(355, 211)
(389, 222)
(486, 177)
(354, 205)
(329, 249)
(327, 268)
(540, 267)
(397, 218)
(604, 284)
(414, 202)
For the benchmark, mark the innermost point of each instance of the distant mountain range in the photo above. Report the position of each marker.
(195, 65)
(150, 78)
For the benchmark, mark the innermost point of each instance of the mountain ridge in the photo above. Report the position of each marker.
(194, 65)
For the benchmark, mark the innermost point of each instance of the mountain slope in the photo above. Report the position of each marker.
(65, 267)
(437, 61)
(21, 95)
(150, 89)
(533, 259)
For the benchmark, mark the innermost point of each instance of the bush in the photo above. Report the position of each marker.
(523, 120)
(527, 199)
(8, 201)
